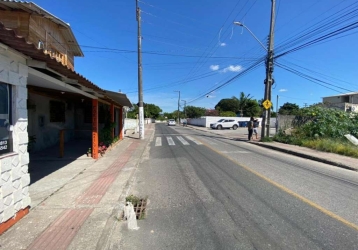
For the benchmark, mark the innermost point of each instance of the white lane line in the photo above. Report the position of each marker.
(170, 141)
(193, 140)
(182, 140)
(158, 142)
(235, 152)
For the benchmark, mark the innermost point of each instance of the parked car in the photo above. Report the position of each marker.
(171, 122)
(225, 123)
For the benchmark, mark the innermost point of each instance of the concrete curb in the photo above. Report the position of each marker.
(303, 155)
(288, 151)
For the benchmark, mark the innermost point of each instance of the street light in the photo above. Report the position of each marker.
(178, 104)
(243, 25)
(265, 132)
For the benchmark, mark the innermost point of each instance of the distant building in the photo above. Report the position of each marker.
(347, 102)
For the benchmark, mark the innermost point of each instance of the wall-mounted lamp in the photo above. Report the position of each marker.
(62, 92)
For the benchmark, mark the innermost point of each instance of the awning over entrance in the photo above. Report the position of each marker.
(39, 79)
(119, 98)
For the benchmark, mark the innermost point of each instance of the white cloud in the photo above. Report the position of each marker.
(222, 44)
(283, 90)
(214, 67)
(232, 68)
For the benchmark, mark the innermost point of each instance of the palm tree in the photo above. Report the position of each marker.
(242, 101)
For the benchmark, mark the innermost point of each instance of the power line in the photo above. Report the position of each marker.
(177, 23)
(190, 18)
(318, 73)
(157, 53)
(313, 79)
(214, 38)
(326, 25)
(242, 73)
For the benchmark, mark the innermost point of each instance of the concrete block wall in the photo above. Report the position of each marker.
(14, 176)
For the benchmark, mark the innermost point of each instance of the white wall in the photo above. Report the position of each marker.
(130, 123)
(205, 121)
(14, 176)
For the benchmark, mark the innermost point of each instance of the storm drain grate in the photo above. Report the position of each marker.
(140, 209)
(139, 206)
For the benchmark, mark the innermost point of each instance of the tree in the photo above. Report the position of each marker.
(229, 104)
(289, 109)
(152, 111)
(243, 105)
(251, 108)
(132, 113)
(212, 112)
(167, 115)
(243, 100)
(228, 114)
(194, 112)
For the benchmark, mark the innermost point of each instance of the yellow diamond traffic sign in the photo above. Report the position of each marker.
(267, 104)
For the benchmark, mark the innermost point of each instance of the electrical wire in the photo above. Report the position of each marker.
(242, 73)
(313, 79)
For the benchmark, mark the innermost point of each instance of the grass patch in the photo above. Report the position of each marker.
(341, 147)
(266, 139)
(133, 199)
(332, 146)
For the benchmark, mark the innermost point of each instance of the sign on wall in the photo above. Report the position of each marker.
(4, 146)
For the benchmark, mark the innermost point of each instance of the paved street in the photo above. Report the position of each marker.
(206, 189)
(208, 192)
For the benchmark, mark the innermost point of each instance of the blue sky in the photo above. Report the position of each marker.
(193, 47)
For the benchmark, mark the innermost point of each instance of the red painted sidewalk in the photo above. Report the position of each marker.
(61, 232)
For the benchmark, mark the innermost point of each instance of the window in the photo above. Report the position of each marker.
(57, 111)
(5, 118)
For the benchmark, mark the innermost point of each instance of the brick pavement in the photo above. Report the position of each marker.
(61, 232)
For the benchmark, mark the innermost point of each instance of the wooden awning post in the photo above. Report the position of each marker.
(62, 143)
(120, 123)
(94, 128)
(112, 118)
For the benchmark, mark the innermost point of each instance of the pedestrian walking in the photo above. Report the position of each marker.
(256, 125)
(250, 128)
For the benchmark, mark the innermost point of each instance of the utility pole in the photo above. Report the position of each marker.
(140, 85)
(184, 108)
(178, 105)
(276, 114)
(265, 131)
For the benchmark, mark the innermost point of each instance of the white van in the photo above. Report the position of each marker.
(225, 123)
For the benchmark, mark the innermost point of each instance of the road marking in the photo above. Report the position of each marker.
(182, 140)
(235, 152)
(170, 141)
(283, 188)
(193, 140)
(158, 141)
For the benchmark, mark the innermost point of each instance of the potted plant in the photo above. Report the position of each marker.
(102, 148)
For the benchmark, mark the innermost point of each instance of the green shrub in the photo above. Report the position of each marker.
(318, 122)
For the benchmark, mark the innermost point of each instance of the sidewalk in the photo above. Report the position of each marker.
(84, 203)
(324, 157)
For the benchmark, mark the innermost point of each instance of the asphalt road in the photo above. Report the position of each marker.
(209, 192)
